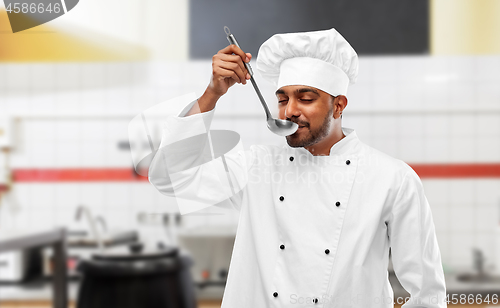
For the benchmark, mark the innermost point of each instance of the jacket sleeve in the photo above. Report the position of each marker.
(414, 247)
(198, 166)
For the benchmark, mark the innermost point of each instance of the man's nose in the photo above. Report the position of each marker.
(292, 109)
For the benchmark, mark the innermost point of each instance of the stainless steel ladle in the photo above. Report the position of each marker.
(277, 126)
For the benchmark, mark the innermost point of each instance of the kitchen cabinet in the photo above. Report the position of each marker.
(48, 304)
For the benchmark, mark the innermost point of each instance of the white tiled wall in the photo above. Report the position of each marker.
(419, 109)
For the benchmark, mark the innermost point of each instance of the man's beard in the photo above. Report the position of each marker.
(314, 136)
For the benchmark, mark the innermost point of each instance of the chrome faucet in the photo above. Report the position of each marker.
(102, 221)
(478, 258)
(83, 209)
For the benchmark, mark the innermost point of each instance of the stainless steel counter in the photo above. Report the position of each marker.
(55, 238)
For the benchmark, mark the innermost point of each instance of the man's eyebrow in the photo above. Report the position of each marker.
(301, 90)
(304, 90)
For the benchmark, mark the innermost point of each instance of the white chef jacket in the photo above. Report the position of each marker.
(313, 231)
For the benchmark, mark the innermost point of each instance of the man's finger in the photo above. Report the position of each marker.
(225, 73)
(235, 59)
(235, 67)
(237, 51)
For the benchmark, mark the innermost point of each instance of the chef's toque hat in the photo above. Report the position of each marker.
(320, 59)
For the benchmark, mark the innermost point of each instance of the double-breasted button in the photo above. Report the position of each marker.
(291, 158)
(348, 162)
(327, 251)
(315, 300)
(337, 203)
(282, 246)
(275, 294)
(282, 198)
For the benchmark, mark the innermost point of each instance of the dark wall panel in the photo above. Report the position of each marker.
(372, 27)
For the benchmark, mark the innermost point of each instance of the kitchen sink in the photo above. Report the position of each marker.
(80, 239)
(478, 278)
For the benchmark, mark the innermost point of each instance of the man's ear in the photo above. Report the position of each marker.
(340, 102)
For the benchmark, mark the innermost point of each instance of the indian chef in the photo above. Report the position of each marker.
(318, 216)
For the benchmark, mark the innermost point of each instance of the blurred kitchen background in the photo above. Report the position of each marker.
(428, 93)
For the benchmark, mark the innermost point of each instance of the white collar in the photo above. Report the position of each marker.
(345, 144)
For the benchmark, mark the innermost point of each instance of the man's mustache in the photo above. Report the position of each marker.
(300, 123)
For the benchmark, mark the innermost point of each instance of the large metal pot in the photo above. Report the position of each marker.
(142, 280)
